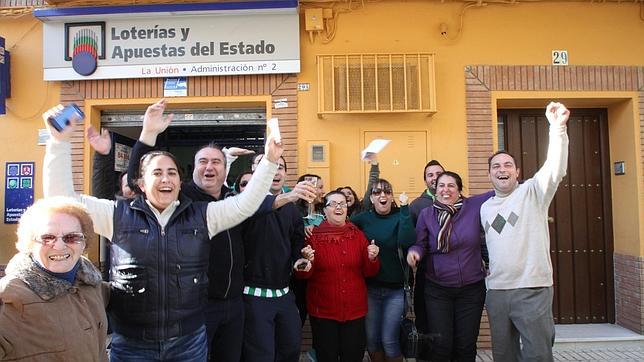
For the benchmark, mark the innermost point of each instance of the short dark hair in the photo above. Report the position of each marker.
(331, 193)
(236, 186)
(455, 176)
(214, 145)
(500, 152)
(262, 156)
(148, 157)
(432, 163)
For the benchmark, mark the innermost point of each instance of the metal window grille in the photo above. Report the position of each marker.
(375, 83)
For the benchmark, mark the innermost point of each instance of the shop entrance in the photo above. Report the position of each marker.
(189, 130)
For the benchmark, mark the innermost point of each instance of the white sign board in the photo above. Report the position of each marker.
(172, 46)
(121, 156)
(559, 57)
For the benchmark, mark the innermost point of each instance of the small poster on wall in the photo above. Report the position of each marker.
(121, 156)
(19, 190)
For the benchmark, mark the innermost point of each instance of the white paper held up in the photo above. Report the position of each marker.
(374, 147)
(273, 129)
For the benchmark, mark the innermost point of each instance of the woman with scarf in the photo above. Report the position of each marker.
(449, 234)
(52, 300)
(340, 258)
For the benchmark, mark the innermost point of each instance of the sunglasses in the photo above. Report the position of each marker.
(243, 184)
(69, 238)
(378, 191)
(335, 204)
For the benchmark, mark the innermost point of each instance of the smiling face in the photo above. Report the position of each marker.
(382, 196)
(447, 190)
(336, 209)
(161, 182)
(58, 257)
(431, 175)
(279, 178)
(349, 195)
(503, 173)
(210, 170)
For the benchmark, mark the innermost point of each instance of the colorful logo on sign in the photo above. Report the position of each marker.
(84, 46)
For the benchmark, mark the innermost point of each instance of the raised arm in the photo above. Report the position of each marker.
(229, 212)
(554, 168)
(57, 175)
(374, 174)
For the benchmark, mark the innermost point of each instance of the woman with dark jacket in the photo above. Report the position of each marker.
(52, 300)
(336, 294)
(160, 245)
(449, 235)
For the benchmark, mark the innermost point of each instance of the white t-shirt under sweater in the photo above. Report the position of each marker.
(516, 224)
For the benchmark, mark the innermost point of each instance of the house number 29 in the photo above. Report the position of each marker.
(559, 57)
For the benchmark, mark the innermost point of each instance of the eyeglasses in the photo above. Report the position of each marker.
(335, 204)
(243, 184)
(378, 191)
(69, 238)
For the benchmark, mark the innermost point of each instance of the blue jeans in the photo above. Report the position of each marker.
(188, 348)
(386, 307)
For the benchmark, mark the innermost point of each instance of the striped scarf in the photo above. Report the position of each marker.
(445, 214)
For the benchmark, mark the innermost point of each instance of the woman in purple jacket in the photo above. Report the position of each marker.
(449, 233)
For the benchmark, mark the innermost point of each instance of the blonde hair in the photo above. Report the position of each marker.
(42, 209)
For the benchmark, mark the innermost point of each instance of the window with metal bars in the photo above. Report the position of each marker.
(375, 83)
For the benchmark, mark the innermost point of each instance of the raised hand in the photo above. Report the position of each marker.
(404, 199)
(100, 142)
(273, 150)
(557, 114)
(373, 250)
(66, 133)
(237, 151)
(308, 253)
(154, 122)
(412, 258)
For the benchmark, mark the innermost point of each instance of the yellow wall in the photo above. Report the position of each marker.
(594, 34)
(30, 97)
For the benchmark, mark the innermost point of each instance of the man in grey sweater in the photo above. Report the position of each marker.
(519, 298)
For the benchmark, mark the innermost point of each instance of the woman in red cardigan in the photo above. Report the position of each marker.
(339, 260)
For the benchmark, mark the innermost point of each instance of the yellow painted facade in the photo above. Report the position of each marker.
(594, 34)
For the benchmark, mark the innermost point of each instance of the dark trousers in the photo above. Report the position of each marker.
(272, 331)
(298, 287)
(338, 341)
(454, 316)
(225, 329)
(419, 297)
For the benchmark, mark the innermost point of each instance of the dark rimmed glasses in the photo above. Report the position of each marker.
(69, 238)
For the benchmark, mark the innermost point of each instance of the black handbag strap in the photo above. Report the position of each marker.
(409, 303)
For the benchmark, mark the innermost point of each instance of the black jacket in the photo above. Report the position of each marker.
(158, 274)
(226, 254)
(272, 242)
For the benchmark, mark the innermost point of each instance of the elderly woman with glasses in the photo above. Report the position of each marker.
(391, 229)
(52, 300)
(340, 258)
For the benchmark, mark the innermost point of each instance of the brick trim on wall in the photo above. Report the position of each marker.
(278, 86)
(481, 80)
(629, 287)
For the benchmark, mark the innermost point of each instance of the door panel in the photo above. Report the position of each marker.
(580, 234)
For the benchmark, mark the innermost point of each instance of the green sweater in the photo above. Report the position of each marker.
(390, 232)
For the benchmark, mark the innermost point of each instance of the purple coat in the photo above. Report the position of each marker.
(463, 264)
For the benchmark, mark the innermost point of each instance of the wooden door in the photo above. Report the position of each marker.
(581, 245)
